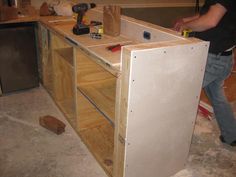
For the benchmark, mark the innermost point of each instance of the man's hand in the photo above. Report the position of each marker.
(203, 22)
(178, 24)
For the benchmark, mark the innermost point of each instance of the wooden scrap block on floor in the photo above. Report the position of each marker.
(53, 124)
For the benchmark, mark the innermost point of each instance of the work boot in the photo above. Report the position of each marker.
(222, 139)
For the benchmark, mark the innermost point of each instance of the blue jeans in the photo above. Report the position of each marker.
(218, 68)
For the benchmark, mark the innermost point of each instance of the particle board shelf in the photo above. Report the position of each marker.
(96, 132)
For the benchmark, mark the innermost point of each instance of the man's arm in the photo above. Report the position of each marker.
(181, 21)
(206, 21)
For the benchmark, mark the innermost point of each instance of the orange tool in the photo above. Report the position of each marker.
(114, 48)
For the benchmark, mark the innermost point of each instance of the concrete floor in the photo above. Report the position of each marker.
(28, 150)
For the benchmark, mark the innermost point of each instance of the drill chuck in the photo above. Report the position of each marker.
(83, 7)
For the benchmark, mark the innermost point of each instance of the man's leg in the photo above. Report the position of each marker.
(217, 70)
(222, 110)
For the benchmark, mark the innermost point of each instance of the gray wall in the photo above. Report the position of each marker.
(137, 1)
(163, 16)
(37, 3)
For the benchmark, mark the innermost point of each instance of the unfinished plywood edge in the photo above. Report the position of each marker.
(59, 34)
(143, 46)
(113, 70)
(136, 24)
(75, 85)
(143, 23)
(52, 21)
(148, 5)
(100, 6)
(134, 29)
(121, 115)
(58, 41)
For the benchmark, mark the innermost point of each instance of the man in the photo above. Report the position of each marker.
(217, 23)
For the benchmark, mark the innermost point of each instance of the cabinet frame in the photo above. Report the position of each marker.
(119, 135)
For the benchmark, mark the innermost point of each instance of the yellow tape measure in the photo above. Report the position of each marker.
(186, 33)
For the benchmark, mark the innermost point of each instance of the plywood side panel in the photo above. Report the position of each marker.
(46, 57)
(63, 77)
(97, 84)
(165, 85)
(162, 16)
(134, 29)
(64, 84)
(58, 42)
(121, 115)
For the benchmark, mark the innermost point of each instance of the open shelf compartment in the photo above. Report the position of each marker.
(96, 132)
(97, 84)
(64, 83)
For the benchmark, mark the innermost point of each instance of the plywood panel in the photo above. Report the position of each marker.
(63, 77)
(121, 115)
(64, 84)
(97, 84)
(58, 42)
(112, 58)
(134, 30)
(162, 107)
(96, 132)
(46, 59)
(88, 116)
(85, 40)
(162, 16)
(67, 55)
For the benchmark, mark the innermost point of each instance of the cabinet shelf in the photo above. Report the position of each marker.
(96, 132)
(97, 84)
(102, 95)
(67, 107)
(66, 54)
(63, 83)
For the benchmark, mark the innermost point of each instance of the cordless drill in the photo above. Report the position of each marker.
(80, 9)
